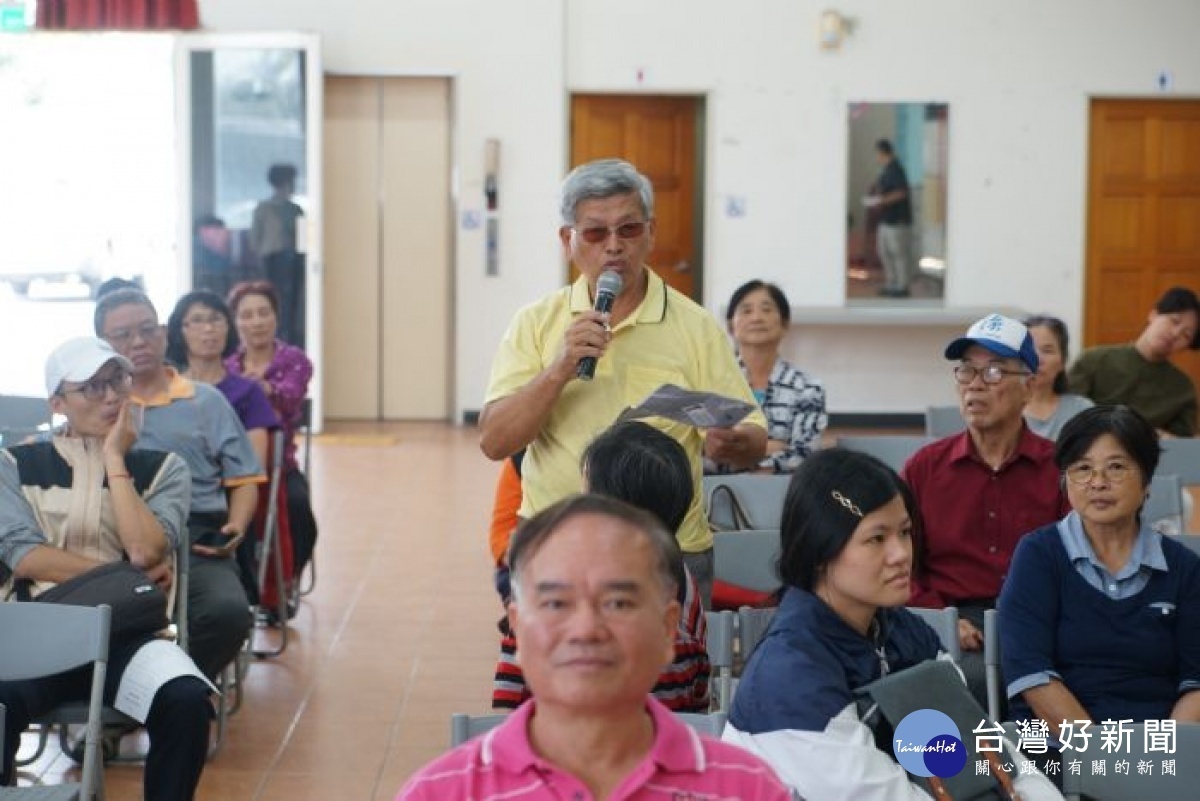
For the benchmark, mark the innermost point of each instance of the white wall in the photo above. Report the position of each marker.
(1017, 74)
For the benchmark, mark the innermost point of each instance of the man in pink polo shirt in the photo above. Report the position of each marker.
(595, 614)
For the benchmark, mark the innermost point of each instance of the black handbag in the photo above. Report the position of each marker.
(139, 606)
(935, 684)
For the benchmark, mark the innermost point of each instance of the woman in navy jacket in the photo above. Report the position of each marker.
(845, 564)
(1100, 614)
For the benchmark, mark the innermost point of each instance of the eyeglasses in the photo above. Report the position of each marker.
(97, 389)
(991, 374)
(211, 321)
(1081, 474)
(124, 336)
(598, 234)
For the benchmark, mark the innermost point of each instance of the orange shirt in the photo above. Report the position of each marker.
(504, 510)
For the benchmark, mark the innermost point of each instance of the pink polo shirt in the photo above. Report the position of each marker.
(681, 766)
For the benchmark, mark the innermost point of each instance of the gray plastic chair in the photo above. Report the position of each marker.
(45, 639)
(19, 411)
(709, 725)
(760, 496)
(991, 663)
(747, 559)
(464, 727)
(752, 627)
(270, 555)
(945, 623)
(719, 643)
(1113, 786)
(942, 421)
(891, 450)
(1164, 508)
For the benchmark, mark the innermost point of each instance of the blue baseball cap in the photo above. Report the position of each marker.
(1001, 335)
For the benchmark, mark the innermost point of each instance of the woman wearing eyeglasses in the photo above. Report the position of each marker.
(200, 334)
(1100, 614)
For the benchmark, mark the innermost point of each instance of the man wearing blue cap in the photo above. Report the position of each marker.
(983, 489)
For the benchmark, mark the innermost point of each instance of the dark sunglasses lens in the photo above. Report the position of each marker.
(630, 230)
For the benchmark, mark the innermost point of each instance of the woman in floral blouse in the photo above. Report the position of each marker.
(283, 371)
(794, 403)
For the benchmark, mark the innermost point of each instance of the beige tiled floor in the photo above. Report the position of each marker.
(399, 633)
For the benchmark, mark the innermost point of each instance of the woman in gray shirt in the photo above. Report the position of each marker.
(1050, 406)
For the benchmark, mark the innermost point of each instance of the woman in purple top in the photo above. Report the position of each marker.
(200, 334)
(283, 372)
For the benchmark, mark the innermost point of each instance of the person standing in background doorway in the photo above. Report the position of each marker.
(894, 238)
(273, 237)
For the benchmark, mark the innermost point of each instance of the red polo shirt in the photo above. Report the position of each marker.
(972, 515)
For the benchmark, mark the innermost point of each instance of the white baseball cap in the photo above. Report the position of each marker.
(78, 360)
(1001, 335)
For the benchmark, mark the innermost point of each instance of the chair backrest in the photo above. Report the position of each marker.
(942, 421)
(759, 495)
(1135, 785)
(991, 662)
(1164, 508)
(42, 639)
(21, 412)
(719, 643)
(752, 626)
(306, 427)
(892, 451)
(710, 725)
(1180, 457)
(464, 727)
(945, 623)
(747, 559)
(1190, 540)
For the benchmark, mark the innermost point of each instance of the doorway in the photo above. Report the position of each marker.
(1143, 218)
(388, 277)
(663, 137)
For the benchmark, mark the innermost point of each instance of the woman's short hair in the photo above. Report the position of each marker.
(531, 535)
(780, 299)
(636, 463)
(602, 179)
(177, 352)
(1059, 329)
(640, 465)
(265, 288)
(828, 496)
(1130, 429)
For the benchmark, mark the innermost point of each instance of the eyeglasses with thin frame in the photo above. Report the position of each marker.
(1081, 473)
(214, 320)
(96, 389)
(991, 374)
(124, 336)
(597, 234)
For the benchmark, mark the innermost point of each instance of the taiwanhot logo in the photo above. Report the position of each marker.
(928, 743)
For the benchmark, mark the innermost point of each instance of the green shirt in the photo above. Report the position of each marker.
(1159, 391)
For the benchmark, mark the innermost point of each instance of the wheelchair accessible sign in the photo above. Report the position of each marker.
(928, 743)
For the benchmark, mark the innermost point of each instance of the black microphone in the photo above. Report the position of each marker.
(607, 289)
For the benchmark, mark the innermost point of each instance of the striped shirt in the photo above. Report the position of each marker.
(681, 766)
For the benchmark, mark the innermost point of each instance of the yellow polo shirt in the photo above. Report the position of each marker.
(668, 340)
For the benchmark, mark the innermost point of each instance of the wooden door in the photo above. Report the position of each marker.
(1143, 219)
(658, 135)
(387, 282)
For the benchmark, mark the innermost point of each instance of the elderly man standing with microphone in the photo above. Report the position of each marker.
(541, 396)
